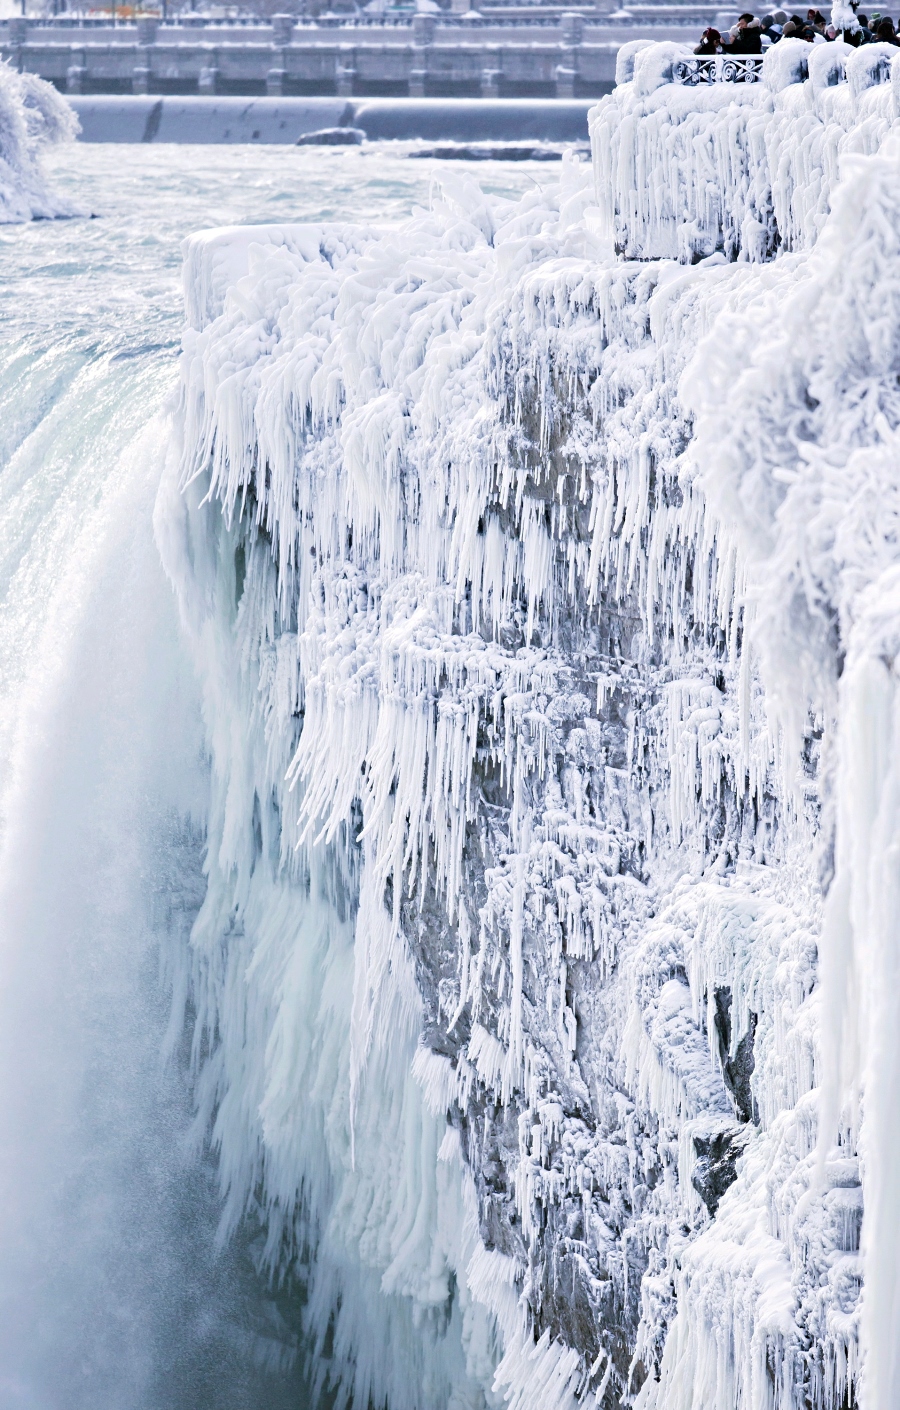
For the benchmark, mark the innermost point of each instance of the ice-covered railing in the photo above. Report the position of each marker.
(32, 116)
(545, 605)
(718, 68)
(684, 171)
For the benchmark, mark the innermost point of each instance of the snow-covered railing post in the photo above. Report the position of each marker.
(282, 36)
(491, 69)
(423, 38)
(345, 72)
(208, 80)
(76, 71)
(566, 72)
(17, 29)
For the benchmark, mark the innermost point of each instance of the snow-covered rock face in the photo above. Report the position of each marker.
(546, 605)
(32, 116)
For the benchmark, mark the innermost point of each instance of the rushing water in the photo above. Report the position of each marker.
(112, 1293)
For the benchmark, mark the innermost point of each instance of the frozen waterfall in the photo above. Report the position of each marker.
(114, 1291)
(539, 562)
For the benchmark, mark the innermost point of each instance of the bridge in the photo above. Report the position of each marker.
(496, 52)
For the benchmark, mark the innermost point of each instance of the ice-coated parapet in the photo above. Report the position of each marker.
(546, 607)
(683, 171)
(32, 116)
(214, 261)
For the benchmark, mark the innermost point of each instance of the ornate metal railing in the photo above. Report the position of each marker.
(718, 68)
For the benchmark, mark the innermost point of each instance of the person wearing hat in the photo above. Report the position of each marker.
(710, 42)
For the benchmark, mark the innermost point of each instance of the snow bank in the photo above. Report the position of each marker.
(32, 116)
(544, 603)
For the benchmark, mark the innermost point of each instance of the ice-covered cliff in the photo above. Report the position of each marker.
(32, 116)
(546, 605)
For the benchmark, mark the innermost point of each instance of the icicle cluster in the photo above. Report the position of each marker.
(684, 171)
(32, 116)
(545, 606)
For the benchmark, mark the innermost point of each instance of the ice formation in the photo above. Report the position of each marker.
(541, 566)
(32, 116)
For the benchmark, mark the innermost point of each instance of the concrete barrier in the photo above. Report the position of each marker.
(478, 120)
(107, 118)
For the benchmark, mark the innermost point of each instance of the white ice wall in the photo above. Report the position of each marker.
(410, 460)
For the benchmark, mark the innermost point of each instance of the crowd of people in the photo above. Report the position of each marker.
(754, 36)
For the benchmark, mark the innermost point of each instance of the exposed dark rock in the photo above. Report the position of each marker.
(716, 1170)
(736, 1070)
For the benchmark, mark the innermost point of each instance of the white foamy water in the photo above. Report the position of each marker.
(111, 1293)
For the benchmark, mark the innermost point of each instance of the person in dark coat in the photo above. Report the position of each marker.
(770, 31)
(710, 42)
(746, 36)
(863, 33)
